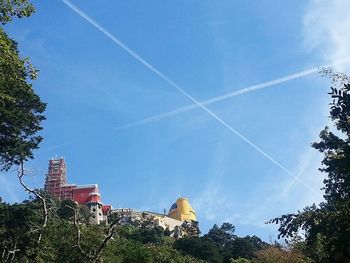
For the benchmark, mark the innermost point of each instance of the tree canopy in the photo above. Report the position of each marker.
(21, 110)
(327, 226)
(14, 8)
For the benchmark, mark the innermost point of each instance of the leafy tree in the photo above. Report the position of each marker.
(125, 251)
(277, 255)
(231, 246)
(69, 238)
(244, 247)
(190, 228)
(21, 110)
(240, 260)
(201, 248)
(165, 254)
(65, 210)
(14, 8)
(327, 226)
(17, 225)
(147, 235)
(222, 235)
(59, 244)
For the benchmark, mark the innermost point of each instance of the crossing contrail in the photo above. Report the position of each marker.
(183, 92)
(232, 94)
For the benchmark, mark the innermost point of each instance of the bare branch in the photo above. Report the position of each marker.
(20, 175)
(111, 232)
(95, 256)
(78, 232)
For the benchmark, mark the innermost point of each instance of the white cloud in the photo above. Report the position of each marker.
(326, 30)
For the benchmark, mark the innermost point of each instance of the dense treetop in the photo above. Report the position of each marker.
(21, 110)
(326, 226)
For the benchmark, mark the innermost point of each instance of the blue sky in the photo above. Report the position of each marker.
(208, 48)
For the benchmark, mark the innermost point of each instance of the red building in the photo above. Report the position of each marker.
(56, 184)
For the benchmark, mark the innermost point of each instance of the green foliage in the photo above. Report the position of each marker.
(124, 250)
(165, 254)
(141, 234)
(278, 255)
(327, 226)
(245, 247)
(20, 224)
(64, 209)
(14, 8)
(59, 243)
(201, 248)
(240, 260)
(21, 110)
(191, 228)
(222, 235)
(221, 245)
(16, 229)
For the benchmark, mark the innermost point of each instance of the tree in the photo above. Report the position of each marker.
(17, 224)
(327, 226)
(231, 246)
(21, 110)
(14, 8)
(222, 235)
(164, 254)
(201, 248)
(190, 228)
(245, 247)
(240, 260)
(221, 245)
(277, 255)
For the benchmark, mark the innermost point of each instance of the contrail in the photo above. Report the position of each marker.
(232, 94)
(183, 92)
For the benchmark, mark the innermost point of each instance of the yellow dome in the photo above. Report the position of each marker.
(182, 210)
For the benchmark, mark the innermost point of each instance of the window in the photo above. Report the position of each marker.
(93, 209)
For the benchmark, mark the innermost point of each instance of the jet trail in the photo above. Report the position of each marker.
(229, 95)
(183, 92)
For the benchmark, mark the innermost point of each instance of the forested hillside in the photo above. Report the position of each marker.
(68, 237)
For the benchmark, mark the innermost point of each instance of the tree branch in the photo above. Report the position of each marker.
(20, 175)
(111, 232)
(95, 256)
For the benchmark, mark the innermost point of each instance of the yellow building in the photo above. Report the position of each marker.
(182, 210)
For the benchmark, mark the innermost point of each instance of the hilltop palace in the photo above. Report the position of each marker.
(56, 184)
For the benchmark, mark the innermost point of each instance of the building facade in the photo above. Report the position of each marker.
(56, 184)
(180, 221)
(180, 215)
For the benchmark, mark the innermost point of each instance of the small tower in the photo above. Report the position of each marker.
(182, 210)
(95, 206)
